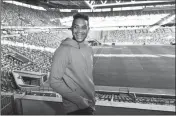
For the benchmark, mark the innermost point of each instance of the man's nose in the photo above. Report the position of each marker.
(79, 30)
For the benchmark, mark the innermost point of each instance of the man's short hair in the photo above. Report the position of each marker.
(82, 16)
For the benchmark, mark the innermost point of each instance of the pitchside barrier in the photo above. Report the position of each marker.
(36, 100)
(109, 101)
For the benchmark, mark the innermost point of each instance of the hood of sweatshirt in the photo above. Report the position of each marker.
(73, 43)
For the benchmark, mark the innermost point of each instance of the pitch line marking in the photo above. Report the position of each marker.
(98, 58)
(135, 55)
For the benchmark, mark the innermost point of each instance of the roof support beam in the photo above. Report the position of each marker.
(117, 1)
(104, 2)
(88, 4)
(137, 3)
(163, 21)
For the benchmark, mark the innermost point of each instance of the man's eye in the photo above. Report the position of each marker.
(84, 27)
(75, 27)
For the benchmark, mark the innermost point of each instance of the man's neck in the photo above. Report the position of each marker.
(77, 41)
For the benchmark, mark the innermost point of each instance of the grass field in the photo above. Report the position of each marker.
(146, 66)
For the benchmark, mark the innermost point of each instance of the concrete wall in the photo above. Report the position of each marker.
(38, 107)
(41, 107)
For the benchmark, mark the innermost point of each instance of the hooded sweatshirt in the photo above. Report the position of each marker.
(71, 75)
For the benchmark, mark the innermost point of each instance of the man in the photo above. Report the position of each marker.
(71, 70)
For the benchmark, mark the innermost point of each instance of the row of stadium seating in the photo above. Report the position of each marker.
(161, 36)
(42, 39)
(13, 15)
(40, 60)
(52, 40)
(7, 82)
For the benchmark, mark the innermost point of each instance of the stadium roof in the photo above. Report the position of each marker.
(94, 4)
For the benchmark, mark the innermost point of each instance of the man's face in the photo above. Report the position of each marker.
(80, 29)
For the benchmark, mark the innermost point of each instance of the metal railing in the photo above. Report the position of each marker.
(7, 104)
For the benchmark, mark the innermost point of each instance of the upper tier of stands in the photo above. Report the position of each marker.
(161, 36)
(13, 15)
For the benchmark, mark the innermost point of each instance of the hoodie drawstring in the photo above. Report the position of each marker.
(79, 45)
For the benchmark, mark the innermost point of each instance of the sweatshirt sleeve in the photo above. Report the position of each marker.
(92, 53)
(59, 64)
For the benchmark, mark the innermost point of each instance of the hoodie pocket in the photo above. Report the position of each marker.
(74, 86)
(69, 82)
